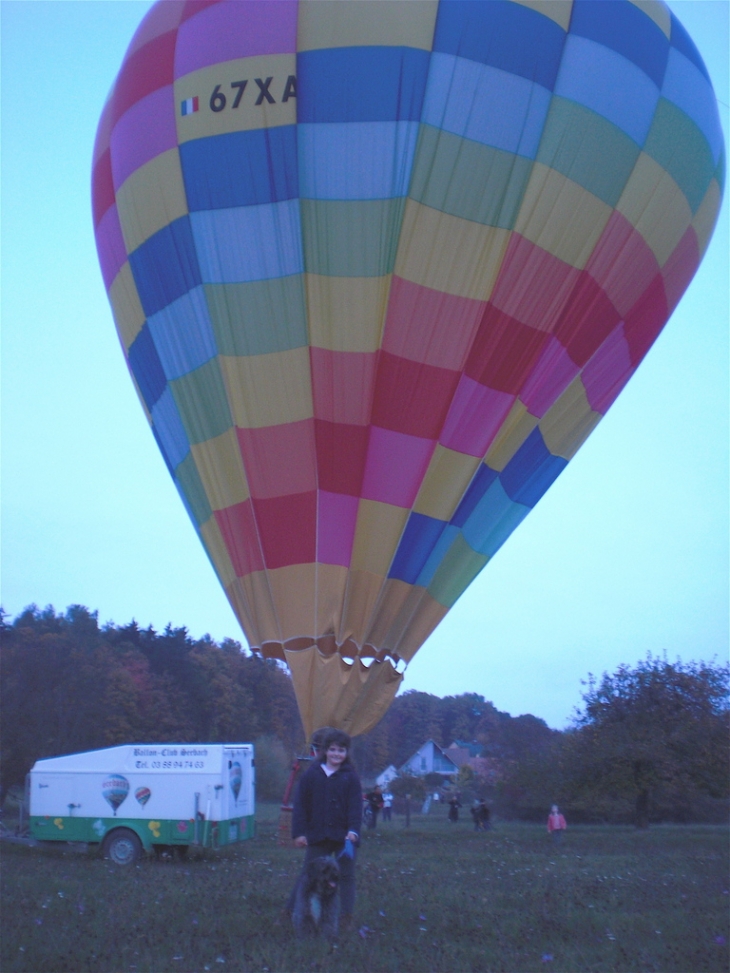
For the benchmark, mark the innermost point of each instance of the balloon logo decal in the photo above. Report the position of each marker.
(236, 778)
(143, 794)
(114, 791)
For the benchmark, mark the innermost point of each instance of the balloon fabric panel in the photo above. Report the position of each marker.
(150, 198)
(378, 272)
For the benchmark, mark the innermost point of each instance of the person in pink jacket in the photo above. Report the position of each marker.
(556, 823)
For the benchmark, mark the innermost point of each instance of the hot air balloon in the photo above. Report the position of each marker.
(378, 270)
(114, 791)
(143, 794)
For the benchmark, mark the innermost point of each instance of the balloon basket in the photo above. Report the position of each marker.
(287, 808)
(285, 814)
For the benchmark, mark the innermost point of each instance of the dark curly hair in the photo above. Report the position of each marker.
(340, 739)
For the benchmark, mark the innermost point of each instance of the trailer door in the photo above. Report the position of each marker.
(237, 773)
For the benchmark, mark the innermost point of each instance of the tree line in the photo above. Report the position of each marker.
(68, 684)
(649, 743)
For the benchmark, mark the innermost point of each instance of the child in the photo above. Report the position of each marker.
(328, 813)
(556, 823)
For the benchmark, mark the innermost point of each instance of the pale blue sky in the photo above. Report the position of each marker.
(626, 554)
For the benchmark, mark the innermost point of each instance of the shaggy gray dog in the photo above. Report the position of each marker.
(317, 904)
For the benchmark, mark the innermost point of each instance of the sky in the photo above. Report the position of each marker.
(627, 553)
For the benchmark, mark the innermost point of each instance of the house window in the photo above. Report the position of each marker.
(423, 763)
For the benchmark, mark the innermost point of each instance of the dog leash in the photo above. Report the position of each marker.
(348, 850)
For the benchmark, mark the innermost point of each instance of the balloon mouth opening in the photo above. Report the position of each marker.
(349, 650)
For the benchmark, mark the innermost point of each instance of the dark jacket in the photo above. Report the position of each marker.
(327, 807)
(374, 800)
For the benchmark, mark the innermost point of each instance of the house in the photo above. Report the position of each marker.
(430, 759)
(465, 754)
(460, 755)
(389, 774)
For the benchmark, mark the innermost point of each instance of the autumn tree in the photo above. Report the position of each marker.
(53, 675)
(408, 785)
(463, 716)
(68, 685)
(529, 755)
(660, 726)
(414, 717)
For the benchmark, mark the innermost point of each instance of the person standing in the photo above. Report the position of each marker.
(316, 752)
(318, 738)
(375, 800)
(328, 813)
(454, 805)
(485, 815)
(556, 823)
(387, 805)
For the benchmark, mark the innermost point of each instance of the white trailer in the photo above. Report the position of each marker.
(137, 796)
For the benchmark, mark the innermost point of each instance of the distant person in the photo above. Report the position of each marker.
(481, 815)
(454, 805)
(317, 744)
(556, 823)
(375, 801)
(387, 805)
(485, 815)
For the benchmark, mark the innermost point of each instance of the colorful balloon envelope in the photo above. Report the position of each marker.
(378, 270)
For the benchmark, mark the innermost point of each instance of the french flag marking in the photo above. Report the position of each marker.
(189, 106)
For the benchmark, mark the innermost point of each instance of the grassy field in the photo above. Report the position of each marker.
(433, 897)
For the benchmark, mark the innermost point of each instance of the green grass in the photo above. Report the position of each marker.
(433, 897)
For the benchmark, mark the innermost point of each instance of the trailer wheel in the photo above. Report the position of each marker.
(122, 846)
